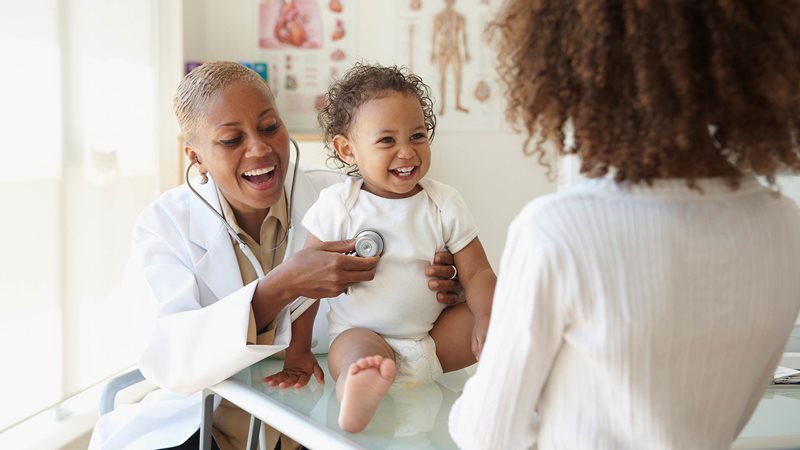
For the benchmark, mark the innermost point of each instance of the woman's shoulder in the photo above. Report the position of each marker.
(547, 205)
(174, 200)
(552, 215)
(170, 209)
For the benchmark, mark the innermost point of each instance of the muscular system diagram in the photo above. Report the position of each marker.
(449, 51)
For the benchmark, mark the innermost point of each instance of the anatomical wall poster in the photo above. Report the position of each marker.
(443, 41)
(307, 43)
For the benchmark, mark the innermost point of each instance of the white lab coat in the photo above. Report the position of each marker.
(183, 263)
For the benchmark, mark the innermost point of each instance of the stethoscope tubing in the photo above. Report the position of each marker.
(248, 252)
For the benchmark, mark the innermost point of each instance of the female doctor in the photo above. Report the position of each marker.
(214, 314)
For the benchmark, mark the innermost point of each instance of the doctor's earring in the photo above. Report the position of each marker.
(203, 179)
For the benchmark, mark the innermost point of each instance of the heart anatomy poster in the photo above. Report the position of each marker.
(306, 43)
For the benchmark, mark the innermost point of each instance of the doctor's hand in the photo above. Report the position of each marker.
(448, 291)
(297, 371)
(323, 270)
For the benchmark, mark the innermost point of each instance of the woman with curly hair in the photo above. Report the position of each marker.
(648, 305)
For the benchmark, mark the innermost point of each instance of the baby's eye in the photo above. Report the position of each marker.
(231, 142)
(386, 140)
(418, 136)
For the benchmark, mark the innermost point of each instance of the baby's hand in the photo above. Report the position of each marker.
(297, 371)
(479, 335)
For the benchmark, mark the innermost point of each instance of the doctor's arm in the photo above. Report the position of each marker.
(190, 345)
(300, 362)
(319, 270)
(497, 407)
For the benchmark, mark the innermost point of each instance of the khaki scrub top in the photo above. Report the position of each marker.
(231, 423)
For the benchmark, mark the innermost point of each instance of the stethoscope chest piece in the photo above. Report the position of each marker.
(368, 243)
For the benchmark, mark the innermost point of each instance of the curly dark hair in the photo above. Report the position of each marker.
(362, 83)
(655, 88)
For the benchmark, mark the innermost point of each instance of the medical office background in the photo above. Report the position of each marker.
(90, 140)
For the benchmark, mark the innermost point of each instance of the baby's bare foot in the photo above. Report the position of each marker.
(367, 380)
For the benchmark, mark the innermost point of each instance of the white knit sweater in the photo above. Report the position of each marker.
(635, 317)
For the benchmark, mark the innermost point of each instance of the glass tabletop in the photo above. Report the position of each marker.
(777, 415)
(407, 418)
(416, 418)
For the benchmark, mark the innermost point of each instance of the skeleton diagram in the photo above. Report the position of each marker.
(449, 42)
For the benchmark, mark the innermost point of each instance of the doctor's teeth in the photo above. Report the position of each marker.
(252, 173)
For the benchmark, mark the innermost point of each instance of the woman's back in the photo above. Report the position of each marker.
(660, 290)
(652, 316)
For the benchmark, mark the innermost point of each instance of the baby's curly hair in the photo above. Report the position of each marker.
(362, 83)
(656, 88)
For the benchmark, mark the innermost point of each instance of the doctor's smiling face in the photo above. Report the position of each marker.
(242, 142)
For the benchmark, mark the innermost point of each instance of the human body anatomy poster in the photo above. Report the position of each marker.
(443, 42)
(306, 43)
(309, 43)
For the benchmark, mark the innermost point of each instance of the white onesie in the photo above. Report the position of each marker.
(397, 303)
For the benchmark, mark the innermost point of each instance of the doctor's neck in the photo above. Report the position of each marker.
(250, 221)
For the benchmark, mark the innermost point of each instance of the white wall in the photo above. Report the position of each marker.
(489, 168)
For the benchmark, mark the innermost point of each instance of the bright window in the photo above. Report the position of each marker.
(79, 163)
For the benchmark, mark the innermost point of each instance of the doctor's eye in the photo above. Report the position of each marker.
(270, 129)
(231, 142)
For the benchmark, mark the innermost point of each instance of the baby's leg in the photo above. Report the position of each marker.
(452, 334)
(362, 364)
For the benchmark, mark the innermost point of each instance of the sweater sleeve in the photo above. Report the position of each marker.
(497, 407)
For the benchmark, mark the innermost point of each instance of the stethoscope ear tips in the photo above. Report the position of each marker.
(369, 243)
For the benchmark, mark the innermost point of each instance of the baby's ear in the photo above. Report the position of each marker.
(343, 148)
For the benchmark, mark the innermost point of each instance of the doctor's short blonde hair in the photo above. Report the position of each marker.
(199, 85)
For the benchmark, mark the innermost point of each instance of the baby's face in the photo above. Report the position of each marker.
(389, 144)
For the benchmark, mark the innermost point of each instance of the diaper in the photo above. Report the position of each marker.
(416, 360)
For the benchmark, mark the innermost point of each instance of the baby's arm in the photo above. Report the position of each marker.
(478, 279)
(299, 363)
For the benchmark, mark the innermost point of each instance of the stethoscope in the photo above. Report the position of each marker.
(251, 257)
(368, 242)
